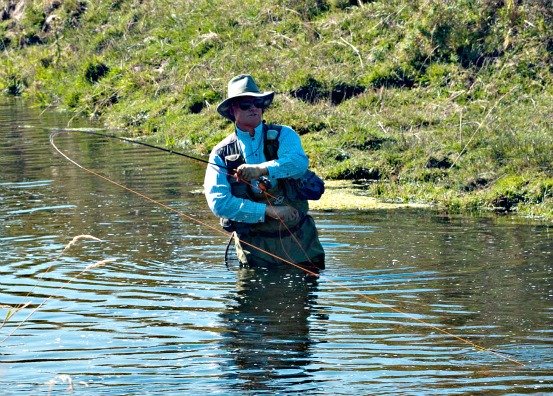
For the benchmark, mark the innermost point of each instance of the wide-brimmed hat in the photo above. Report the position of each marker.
(240, 86)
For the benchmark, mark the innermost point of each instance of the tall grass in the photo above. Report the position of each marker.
(425, 100)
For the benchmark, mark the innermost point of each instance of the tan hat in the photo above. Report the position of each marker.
(240, 86)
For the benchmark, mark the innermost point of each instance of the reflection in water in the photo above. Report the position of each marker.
(267, 328)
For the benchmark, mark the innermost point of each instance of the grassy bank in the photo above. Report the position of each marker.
(425, 101)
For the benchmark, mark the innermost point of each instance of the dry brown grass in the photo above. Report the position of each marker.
(77, 239)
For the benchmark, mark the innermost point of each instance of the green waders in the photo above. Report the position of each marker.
(301, 246)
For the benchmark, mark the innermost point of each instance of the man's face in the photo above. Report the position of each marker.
(246, 112)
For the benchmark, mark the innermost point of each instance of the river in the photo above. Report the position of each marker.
(411, 302)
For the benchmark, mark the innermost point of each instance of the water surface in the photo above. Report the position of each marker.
(165, 316)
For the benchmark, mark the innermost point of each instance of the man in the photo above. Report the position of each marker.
(251, 183)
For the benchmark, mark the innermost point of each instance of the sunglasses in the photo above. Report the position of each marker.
(259, 103)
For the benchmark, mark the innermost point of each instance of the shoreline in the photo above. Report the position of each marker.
(344, 195)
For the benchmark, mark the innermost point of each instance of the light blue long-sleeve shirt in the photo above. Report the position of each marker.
(291, 162)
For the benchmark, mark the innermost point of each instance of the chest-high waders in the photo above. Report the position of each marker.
(297, 241)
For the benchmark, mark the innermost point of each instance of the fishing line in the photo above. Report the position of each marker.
(219, 167)
(307, 271)
(63, 287)
(13, 310)
(187, 216)
(267, 195)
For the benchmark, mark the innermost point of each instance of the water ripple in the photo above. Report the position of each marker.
(167, 317)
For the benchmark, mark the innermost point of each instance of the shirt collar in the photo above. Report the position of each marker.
(258, 129)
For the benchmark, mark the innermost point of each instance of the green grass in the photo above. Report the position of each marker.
(438, 102)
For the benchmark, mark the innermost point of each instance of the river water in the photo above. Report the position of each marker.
(152, 308)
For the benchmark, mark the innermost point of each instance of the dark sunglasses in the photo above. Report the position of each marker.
(259, 103)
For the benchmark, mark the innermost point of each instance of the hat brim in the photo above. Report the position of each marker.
(223, 108)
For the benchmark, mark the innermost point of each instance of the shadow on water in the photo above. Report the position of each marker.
(267, 329)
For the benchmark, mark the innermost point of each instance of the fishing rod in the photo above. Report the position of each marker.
(129, 140)
(187, 216)
(375, 300)
(264, 183)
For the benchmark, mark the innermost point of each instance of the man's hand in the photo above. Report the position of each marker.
(250, 172)
(283, 213)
